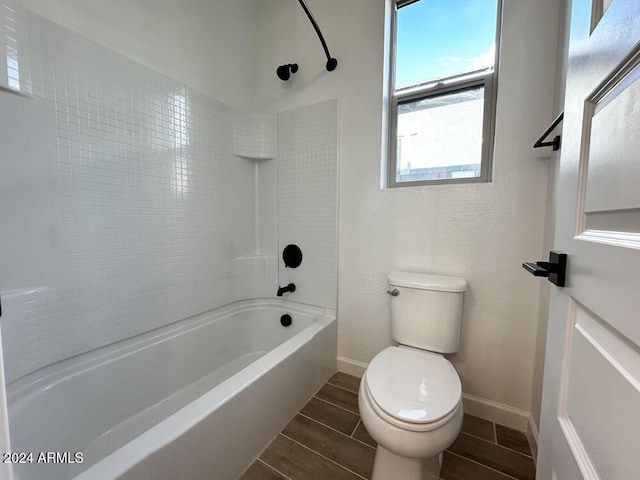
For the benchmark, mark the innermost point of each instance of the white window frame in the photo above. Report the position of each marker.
(486, 78)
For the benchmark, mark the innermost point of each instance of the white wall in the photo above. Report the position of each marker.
(205, 44)
(559, 89)
(480, 232)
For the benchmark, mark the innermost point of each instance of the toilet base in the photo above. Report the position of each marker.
(389, 466)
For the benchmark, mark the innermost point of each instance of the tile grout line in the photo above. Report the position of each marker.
(494, 426)
(341, 387)
(516, 451)
(331, 403)
(273, 468)
(338, 406)
(479, 438)
(331, 428)
(482, 464)
(356, 428)
(320, 455)
(509, 448)
(498, 445)
(365, 443)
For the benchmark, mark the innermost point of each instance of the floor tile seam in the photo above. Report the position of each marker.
(495, 433)
(274, 469)
(323, 456)
(482, 464)
(342, 388)
(364, 443)
(527, 457)
(335, 405)
(514, 450)
(478, 437)
(493, 465)
(356, 428)
(509, 448)
(337, 431)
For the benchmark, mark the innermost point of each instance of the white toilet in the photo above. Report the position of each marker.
(410, 396)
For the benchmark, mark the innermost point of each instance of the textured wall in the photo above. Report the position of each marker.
(205, 44)
(480, 232)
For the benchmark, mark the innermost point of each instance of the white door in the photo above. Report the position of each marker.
(590, 425)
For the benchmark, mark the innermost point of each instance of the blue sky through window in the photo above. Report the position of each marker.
(438, 38)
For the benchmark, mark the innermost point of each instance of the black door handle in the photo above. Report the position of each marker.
(555, 269)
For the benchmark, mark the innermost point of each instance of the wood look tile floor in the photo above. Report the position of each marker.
(326, 440)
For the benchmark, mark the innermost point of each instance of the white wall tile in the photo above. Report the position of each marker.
(307, 200)
(255, 135)
(145, 195)
(255, 276)
(150, 204)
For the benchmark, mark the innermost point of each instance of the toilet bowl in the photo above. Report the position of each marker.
(411, 404)
(410, 396)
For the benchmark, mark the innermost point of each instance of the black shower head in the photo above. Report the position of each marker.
(284, 71)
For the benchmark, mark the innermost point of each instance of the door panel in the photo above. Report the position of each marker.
(613, 147)
(591, 392)
(601, 361)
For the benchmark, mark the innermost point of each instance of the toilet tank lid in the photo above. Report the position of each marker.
(426, 281)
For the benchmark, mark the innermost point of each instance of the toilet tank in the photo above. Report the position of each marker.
(427, 311)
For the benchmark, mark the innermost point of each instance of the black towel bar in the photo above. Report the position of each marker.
(555, 143)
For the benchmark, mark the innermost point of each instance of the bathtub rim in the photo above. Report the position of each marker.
(24, 388)
(118, 462)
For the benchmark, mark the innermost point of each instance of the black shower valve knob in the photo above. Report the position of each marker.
(292, 256)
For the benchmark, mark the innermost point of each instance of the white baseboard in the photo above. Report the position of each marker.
(532, 436)
(496, 412)
(352, 367)
(504, 415)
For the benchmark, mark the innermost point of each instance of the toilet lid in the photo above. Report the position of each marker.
(413, 386)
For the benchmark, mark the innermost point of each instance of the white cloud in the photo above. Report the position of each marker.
(483, 60)
(486, 58)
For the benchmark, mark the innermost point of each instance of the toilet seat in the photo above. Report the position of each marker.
(413, 389)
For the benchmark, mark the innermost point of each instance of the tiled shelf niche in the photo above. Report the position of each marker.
(255, 135)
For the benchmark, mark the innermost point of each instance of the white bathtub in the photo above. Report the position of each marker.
(196, 400)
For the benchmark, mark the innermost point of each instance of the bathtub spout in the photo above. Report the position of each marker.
(289, 288)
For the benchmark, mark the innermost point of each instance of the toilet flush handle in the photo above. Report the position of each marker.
(394, 293)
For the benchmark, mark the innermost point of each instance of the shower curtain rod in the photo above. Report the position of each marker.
(332, 63)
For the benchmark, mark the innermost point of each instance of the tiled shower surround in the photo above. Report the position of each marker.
(151, 197)
(307, 194)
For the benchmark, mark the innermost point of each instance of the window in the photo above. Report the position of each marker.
(444, 91)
